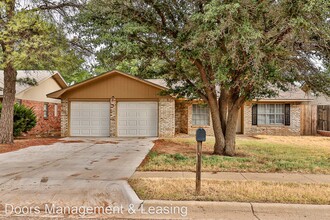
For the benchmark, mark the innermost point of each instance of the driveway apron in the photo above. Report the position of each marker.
(74, 172)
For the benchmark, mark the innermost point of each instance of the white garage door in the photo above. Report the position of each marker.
(137, 119)
(90, 119)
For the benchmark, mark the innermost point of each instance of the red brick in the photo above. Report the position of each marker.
(49, 126)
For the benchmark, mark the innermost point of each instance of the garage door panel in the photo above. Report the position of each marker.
(132, 123)
(96, 123)
(105, 114)
(121, 132)
(122, 123)
(143, 123)
(132, 105)
(131, 114)
(105, 124)
(85, 123)
(75, 132)
(122, 114)
(95, 113)
(137, 119)
(84, 114)
(132, 132)
(75, 123)
(147, 132)
(143, 114)
(90, 119)
(75, 114)
(85, 132)
(96, 132)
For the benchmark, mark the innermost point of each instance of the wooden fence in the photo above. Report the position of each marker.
(323, 117)
(308, 119)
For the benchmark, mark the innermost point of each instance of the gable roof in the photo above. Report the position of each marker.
(38, 75)
(293, 94)
(59, 93)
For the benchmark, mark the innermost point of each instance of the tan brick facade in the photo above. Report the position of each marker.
(113, 117)
(181, 117)
(166, 117)
(292, 129)
(65, 118)
(176, 117)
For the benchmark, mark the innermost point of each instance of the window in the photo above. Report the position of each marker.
(19, 101)
(45, 110)
(200, 115)
(55, 110)
(270, 114)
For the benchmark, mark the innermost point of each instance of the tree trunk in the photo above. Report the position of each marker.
(7, 112)
(219, 145)
(230, 136)
(223, 108)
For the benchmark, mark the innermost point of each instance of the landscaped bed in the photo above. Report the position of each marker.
(301, 154)
(24, 143)
(238, 191)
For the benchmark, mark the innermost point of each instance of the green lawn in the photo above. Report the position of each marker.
(258, 154)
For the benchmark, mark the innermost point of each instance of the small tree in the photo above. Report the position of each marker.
(224, 52)
(24, 119)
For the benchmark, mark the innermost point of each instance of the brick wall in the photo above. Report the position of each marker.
(181, 117)
(292, 129)
(113, 117)
(166, 117)
(49, 126)
(64, 118)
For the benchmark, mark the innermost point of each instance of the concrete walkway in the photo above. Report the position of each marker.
(277, 177)
(235, 210)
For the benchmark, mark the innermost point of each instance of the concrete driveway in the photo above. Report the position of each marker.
(89, 171)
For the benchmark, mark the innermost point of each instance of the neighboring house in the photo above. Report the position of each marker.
(48, 110)
(117, 104)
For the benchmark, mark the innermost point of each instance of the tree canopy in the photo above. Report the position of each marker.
(266, 42)
(40, 34)
(31, 37)
(225, 52)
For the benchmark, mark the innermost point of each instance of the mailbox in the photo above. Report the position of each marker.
(200, 135)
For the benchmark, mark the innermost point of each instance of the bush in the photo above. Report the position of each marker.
(24, 119)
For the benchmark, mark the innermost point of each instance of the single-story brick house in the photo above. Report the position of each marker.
(117, 104)
(48, 110)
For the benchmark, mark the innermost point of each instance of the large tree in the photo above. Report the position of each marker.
(29, 39)
(224, 52)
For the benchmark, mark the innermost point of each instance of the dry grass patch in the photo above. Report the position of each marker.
(238, 191)
(254, 154)
(318, 142)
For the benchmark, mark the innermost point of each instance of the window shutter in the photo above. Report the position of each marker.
(255, 114)
(287, 114)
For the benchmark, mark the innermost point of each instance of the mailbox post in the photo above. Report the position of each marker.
(200, 138)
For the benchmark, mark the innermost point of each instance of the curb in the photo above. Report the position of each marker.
(130, 194)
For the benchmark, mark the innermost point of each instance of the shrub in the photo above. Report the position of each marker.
(24, 119)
